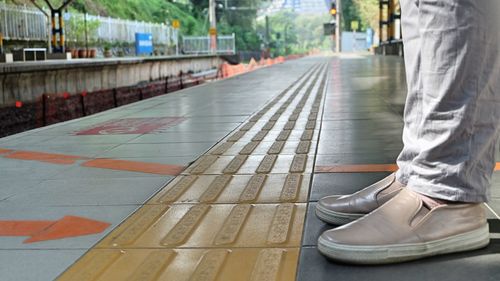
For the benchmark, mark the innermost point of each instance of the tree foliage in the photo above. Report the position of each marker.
(368, 11)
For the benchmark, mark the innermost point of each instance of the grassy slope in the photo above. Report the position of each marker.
(159, 11)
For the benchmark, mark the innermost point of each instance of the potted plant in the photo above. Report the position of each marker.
(82, 53)
(107, 50)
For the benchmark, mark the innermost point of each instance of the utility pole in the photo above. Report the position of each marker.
(213, 26)
(338, 41)
(268, 37)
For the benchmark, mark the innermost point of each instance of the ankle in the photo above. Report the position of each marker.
(431, 202)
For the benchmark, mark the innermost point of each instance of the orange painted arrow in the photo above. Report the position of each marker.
(68, 226)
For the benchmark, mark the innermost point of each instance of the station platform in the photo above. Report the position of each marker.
(215, 182)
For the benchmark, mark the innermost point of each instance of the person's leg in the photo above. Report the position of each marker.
(455, 137)
(413, 108)
(460, 70)
(340, 210)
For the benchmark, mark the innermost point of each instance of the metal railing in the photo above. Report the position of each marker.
(22, 23)
(201, 44)
(29, 24)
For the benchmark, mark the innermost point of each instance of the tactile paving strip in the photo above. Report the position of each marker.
(237, 213)
(186, 264)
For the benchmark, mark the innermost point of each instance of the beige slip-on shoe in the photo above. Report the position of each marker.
(340, 210)
(404, 229)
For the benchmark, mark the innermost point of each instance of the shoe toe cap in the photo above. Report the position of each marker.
(334, 203)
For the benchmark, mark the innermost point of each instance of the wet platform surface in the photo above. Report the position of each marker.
(216, 182)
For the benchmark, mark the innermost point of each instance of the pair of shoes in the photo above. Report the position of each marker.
(390, 223)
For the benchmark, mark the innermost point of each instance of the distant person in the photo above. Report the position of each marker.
(432, 205)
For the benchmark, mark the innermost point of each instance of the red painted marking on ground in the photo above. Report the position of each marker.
(361, 168)
(365, 168)
(67, 227)
(132, 126)
(4, 151)
(133, 166)
(52, 158)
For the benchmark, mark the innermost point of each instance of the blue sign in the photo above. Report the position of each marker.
(369, 38)
(143, 44)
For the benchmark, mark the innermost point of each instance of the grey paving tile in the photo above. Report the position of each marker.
(200, 127)
(377, 157)
(480, 265)
(314, 227)
(89, 172)
(495, 185)
(36, 265)
(494, 204)
(326, 184)
(159, 149)
(11, 187)
(182, 137)
(75, 148)
(89, 191)
(13, 169)
(90, 139)
(25, 140)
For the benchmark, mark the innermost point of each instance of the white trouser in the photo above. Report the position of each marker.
(452, 113)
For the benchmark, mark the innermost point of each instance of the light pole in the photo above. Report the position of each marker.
(213, 26)
(338, 41)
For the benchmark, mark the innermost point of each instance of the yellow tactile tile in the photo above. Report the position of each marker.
(237, 213)
(281, 166)
(208, 226)
(229, 189)
(186, 265)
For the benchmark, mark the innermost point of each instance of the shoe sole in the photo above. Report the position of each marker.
(335, 218)
(473, 240)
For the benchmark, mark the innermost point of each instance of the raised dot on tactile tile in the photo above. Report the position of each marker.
(247, 126)
(153, 265)
(280, 226)
(291, 187)
(236, 136)
(269, 125)
(235, 164)
(203, 164)
(276, 147)
(289, 125)
(209, 266)
(144, 218)
(283, 136)
(267, 164)
(221, 148)
(252, 188)
(307, 135)
(183, 229)
(249, 148)
(310, 125)
(260, 135)
(178, 189)
(275, 117)
(298, 163)
(267, 265)
(303, 147)
(232, 225)
(215, 188)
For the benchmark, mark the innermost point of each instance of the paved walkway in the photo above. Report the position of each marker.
(216, 182)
